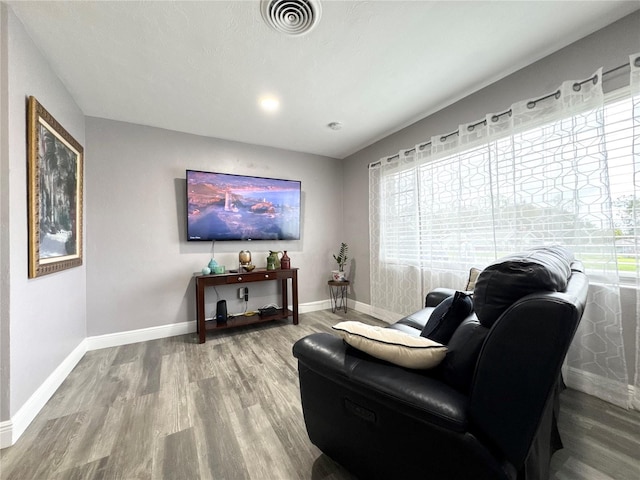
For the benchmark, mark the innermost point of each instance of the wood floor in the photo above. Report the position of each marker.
(230, 409)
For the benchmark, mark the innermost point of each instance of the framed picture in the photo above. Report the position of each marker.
(55, 173)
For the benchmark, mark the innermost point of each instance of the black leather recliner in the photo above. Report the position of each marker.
(488, 411)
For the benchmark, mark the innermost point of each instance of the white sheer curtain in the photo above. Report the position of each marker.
(393, 209)
(537, 174)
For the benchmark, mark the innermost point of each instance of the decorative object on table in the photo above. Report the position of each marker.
(219, 269)
(341, 259)
(212, 265)
(206, 271)
(244, 257)
(285, 261)
(273, 261)
(55, 184)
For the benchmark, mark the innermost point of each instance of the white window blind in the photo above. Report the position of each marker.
(568, 182)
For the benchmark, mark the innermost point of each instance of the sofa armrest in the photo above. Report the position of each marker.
(412, 392)
(437, 295)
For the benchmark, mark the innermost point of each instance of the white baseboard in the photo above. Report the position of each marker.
(6, 434)
(384, 315)
(11, 430)
(314, 306)
(367, 309)
(634, 393)
(163, 331)
(352, 304)
(140, 335)
(611, 391)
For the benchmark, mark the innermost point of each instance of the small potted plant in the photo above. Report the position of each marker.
(341, 259)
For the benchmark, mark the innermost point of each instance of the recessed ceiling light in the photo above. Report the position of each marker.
(270, 104)
(334, 125)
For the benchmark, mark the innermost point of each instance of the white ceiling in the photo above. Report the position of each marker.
(374, 66)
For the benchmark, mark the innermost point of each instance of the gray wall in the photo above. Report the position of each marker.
(606, 48)
(139, 265)
(46, 315)
(4, 219)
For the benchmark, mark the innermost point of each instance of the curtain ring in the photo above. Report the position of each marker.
(576, 87)
(470, 128)
(557, 95)
(636, 62)
(595, 79)
(495, 118)
(531, 104)
(443, 139)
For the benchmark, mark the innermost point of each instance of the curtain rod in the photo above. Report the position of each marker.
(531, 104)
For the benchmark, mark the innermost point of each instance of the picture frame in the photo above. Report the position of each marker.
(55, 172)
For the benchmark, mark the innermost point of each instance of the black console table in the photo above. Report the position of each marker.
(257, 275)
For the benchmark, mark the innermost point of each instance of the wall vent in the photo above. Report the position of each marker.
(291, 17)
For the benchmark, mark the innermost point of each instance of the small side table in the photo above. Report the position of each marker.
(338, 292)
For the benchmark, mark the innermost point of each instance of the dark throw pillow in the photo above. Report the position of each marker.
(463, 349)
(446, 317)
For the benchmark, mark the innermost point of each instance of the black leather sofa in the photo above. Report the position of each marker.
(488, 411)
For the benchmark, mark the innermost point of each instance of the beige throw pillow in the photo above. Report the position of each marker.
(392, 345)
(473, 276)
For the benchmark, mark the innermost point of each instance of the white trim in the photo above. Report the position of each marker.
(163, 331)
(634, 393)
(352, 304)
(385, 315)
(360, 307)
(6, 431)
(598, 386)
(314, 306)
(11, 430)
(140, 335)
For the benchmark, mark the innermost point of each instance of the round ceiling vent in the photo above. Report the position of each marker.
(292, 17)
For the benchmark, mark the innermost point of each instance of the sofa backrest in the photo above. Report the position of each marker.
(497, 288)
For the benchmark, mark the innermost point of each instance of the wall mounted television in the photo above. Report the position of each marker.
(222, 206)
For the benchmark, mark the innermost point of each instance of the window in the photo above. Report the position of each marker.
(568, 181)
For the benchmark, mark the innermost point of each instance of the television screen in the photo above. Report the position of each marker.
(222, 206)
